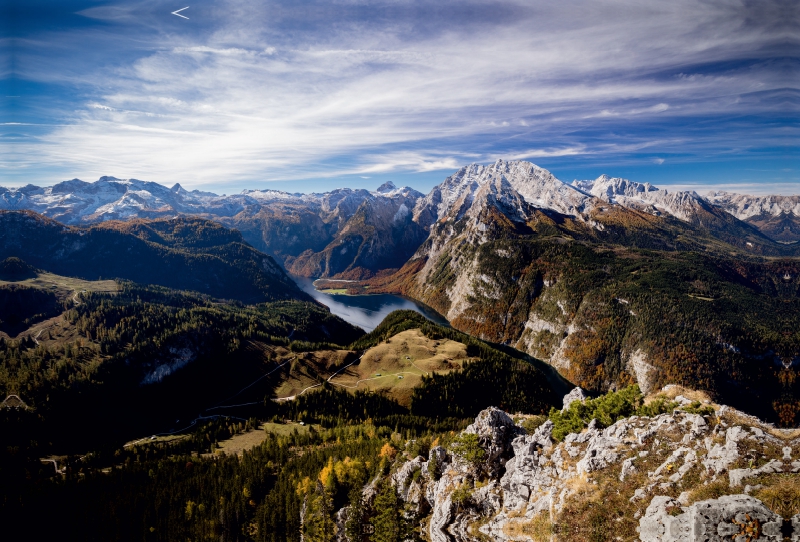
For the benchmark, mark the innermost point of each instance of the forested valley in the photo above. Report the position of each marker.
(179, 388)
(146, 360)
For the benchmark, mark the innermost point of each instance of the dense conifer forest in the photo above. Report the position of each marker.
(124, 400)
(85, 388)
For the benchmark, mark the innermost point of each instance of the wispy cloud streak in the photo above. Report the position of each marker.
(250, 91)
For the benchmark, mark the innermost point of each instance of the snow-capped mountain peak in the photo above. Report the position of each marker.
(388, 186)
(607, 188)
(505, 180)
(642, 196)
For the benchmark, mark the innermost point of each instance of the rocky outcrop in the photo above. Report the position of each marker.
(495, 430)
(657, 464)
(577, 394)
(408, 482)
(340, 520)
(731, 517)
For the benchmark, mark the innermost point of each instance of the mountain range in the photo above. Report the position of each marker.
(344, 231)
(356, 233)
(608, 280)
(146, 331)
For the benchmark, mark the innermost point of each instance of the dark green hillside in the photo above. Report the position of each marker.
(15, 270)
(184, 254)
(139, 359)
(20, 306)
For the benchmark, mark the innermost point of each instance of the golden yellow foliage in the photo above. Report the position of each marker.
(327, 475)
(388, 451)
(350, 471)
(304, 486)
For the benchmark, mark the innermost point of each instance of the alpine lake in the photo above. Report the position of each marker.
(366, 311)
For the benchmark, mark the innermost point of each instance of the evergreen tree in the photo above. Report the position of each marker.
(387, 520)
(355, 515)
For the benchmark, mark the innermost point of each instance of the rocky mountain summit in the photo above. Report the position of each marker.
(701, 471)
(507, 183)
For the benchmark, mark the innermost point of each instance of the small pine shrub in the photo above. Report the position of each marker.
(697, 408)
(531, 424)
(608, 409)
(466, 446)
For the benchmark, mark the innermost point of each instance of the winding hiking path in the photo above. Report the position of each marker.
(292, 397)
(374, 378)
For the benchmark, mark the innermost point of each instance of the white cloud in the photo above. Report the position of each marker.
(545, 153)
(247, 100)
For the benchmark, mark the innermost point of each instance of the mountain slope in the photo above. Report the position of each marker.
(186, 254)
(778, 217)
(612, 293)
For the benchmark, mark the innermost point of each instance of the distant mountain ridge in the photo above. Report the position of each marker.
(776, 216)
(281, 224)
(357, 233)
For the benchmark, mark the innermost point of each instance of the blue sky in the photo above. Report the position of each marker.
(312, 95)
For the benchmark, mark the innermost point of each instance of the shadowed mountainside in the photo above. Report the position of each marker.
(185, 254)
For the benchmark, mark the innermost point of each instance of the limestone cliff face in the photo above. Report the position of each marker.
(674, 477)
(609, 281)
(379, 234)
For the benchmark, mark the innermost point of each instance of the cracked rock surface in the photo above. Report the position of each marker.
(666, 470)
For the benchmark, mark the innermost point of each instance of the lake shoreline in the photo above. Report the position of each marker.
(366, 310)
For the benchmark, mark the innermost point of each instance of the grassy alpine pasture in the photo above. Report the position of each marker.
(397, 365)
(248, 440)
(66, 287)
